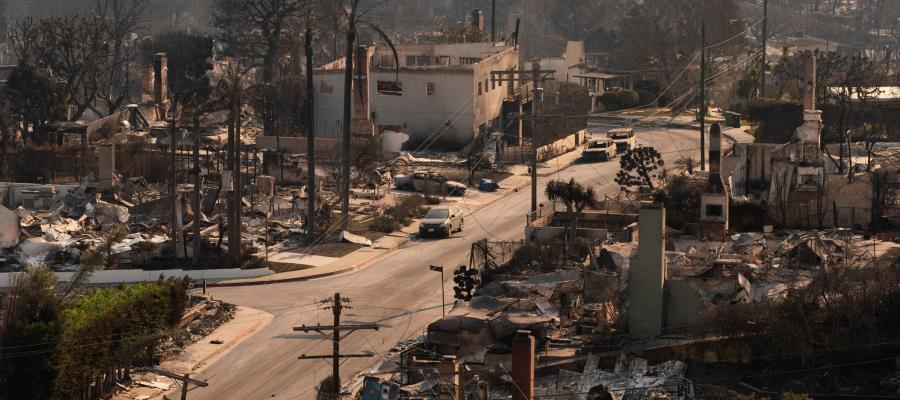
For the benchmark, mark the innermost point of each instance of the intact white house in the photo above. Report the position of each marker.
(442, 95)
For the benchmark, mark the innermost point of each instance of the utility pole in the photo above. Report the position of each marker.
(348, 100)
(336, 356)
(173, 184)
(233, 162)
(310, 134)
(535, 77)
(703, 95)
(195, 203)
(765, 38)
(538, 76)
(184, 378)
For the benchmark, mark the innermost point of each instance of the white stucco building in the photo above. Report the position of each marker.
(441, 95)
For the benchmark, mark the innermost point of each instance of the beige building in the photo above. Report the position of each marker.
(442, 94)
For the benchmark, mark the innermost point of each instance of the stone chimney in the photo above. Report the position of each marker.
(714, 200)
(523, 366)
(647, 278)
(478, 19)
(161, 83)
(809, 85)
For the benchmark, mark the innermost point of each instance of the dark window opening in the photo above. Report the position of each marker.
(389, 88)
(714, 210)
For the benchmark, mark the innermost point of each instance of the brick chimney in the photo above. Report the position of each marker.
(478, 19)
(523, 366)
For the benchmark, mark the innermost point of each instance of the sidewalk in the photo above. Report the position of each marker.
(364, 257)
(197, 356)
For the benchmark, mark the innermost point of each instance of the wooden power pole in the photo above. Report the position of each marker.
(762, 65)
(336, 356)
(310, 133)
(703, 95)
(538, 76)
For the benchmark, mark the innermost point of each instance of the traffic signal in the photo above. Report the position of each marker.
(465, 280)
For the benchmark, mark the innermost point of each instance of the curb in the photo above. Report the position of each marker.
(361, 265)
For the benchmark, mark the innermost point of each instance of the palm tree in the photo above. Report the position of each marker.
(575, 197)
(354, 19)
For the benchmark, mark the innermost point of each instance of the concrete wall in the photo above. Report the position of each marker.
(647, 276)
(489, 103)
(683, 304)
(136, 275)
(13, 192)
(448, 113)
(330, 104)
(566, 144)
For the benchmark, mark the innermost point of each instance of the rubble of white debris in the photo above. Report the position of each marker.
(575, 309)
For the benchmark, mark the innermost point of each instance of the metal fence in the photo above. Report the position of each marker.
(808, 217)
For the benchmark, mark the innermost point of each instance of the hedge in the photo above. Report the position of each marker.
(108, 330)
(776, 119)
(620, 99)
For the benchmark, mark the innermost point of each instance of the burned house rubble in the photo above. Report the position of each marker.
(611, 302)
(618, 321)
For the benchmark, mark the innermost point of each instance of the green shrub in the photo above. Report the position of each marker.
(401, 214)
(621, 99)
(113, 328)
(646, 98)
(385, 223)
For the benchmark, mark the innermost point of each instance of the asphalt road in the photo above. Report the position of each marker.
(398, 291)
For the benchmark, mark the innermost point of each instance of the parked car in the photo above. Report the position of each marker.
(603, 149)
(441, 220)
(430, 182)
(623, 138)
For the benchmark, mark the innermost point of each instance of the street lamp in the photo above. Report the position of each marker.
(440, 268)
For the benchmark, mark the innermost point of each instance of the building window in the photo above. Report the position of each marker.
(442, 60)
(469, 60)
(325, 87)
(485, 85)
(418, 61)
(493, 84)
(479, 88)
(429, 88)
(389, 88)
(713, 210)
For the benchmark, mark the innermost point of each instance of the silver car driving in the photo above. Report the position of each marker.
(441, 221)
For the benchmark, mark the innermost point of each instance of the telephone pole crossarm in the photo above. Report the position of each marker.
(318, 328)
(328, 356)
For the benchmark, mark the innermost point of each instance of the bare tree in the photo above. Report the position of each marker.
(76, 49)
(122, 18)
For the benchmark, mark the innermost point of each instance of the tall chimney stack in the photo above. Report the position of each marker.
(523, 366)
(715, 152)
(478, 19)
(809, 78)
(161, 83)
